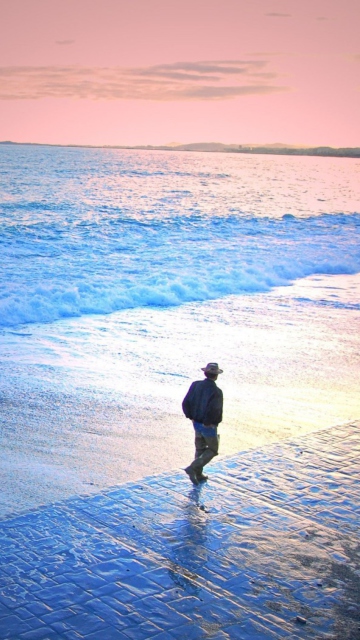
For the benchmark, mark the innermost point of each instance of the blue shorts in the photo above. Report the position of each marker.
(207, 432)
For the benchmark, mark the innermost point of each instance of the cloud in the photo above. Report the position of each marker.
(274, 14)
(64, 42)
(204, 80)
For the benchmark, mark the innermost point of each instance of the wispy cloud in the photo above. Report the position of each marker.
(274, 14)
(204, 80)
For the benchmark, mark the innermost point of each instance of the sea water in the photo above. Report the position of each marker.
(123, 272)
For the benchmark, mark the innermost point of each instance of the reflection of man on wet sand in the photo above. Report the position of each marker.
(203, 404)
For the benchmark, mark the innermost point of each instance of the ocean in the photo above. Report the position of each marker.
(123, 272)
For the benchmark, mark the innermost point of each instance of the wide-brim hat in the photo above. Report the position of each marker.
(212, 367)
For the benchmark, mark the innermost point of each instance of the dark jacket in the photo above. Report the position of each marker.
(204, 402)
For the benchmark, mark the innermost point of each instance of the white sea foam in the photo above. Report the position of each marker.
(170, 263)
(86, 232)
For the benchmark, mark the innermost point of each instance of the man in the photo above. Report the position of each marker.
(203, 404)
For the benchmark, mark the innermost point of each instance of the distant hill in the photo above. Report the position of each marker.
(276, 148)
(220, 146)
(203, 146)
(345, 152)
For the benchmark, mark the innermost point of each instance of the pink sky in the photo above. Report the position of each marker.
(134, 72)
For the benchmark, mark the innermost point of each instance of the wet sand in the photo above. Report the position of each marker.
(96, 402)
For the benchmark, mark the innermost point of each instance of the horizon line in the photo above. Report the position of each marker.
(275, 148)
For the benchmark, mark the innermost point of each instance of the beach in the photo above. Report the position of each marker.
(126, 272)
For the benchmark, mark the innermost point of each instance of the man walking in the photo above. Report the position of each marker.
(203, 404)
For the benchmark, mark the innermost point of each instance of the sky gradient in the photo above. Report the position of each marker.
(134, 72)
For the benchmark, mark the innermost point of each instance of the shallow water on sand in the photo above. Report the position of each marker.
(185, 258)
(97, 400)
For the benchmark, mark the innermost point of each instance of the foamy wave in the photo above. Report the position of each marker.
(163, 266)
(85, 231)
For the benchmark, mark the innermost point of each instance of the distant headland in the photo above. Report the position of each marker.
(271, 149)
(276, 148)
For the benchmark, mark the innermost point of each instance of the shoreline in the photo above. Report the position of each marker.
(317, 152)
(81, 423)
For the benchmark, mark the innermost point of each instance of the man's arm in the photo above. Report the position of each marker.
(186, 403)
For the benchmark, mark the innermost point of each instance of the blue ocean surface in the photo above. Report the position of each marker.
(123, 272)
(87, 231)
